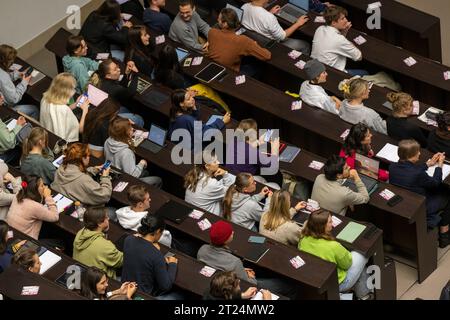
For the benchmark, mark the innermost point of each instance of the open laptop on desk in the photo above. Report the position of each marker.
(368, 169)
(156, 139)
(293, 10)
(174, 211)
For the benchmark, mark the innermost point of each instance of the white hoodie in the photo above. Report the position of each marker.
(130, 219)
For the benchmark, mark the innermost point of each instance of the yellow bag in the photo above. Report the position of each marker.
(209, 93)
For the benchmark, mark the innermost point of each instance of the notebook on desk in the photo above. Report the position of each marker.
(289, 154)
(257, 252)
(351, 232)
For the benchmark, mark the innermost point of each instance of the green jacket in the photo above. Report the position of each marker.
(328, 250)
(8, 138)
(92, 249)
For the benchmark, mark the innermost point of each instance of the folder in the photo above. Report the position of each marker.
(351, 232)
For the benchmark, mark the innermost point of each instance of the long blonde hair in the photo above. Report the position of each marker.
(353, 88)
(61, 89)
(278, 212)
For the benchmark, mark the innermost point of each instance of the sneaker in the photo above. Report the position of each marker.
(370, 296)
(444, 240)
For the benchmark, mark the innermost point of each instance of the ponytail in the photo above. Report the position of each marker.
(242, 181)
(33, 139)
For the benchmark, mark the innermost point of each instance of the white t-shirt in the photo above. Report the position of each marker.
(332, 48)
(316, 96)
(260, 20)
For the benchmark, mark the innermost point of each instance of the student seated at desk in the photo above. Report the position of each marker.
(359, 140)
(130, 217)
(37, 157)
(76, 62)
(312, 93)
(207, 184)
(104, 28)
(140, 50)
(244, 155)
(74, 178)
(6, 197)
(134, 7)
(318, 6)
(94, 283)
(6, 252)
(28, 260)
(120, 151)
(144, 263)
(107, 79)
(184, 113)
(439, 139)
(411, 175)
(156, 20)
(168, 69)
(398, 126)
(32, 205)
(9, 152)
(264, 22)
(317, 240)
(187, 25)
(243, 208)
(91, 247)
(56, 115)
(11, 93)
(225, 286)
(330, 45)
(277, 224)
(353, 110)
(227, 48)
(329, 192)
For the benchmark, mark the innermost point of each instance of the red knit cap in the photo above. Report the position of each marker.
(220, 232)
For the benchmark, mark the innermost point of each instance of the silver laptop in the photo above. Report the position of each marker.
(156, 139)
(293, 10)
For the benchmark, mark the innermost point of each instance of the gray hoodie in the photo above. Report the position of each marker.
(12, 94)
(122, 157)
(360, 113)
(246, 209)
(80, 186)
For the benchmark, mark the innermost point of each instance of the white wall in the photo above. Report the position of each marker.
(441, 9)
(23, 20)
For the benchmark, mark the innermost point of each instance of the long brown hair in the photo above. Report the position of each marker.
(242, 182)
(7, 56)
(119, 130)
(107, 110)
(278, 213)
(74, 154)
(316, 225)
(194, 175)
(37, 134)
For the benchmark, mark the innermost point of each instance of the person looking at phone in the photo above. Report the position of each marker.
(411, 175)
(32, 205)
(6, 196)
(118, 150)
(9, 153)
(144, 263)
(74, 178)
(241, 206)
(13, 94)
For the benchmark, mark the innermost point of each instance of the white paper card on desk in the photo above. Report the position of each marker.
(207, 271)
(389, 152)
(300, 64)
(374, 5)
(102, 56)
(445, 171)
(48, 260)
(62, 202)
(294, 54)
(335, 221)
(204, 224)
(416, 108)
(160, 39)
(30, 290)
(196, 214)
(240, 80)
(12, 124)
(410, 61)
(316, 165)
(345, 134)
(387, 194)
(259, 296)
(120, 186)
(447, 75)
(319, 19)
(197, 61)
(297, 262)
(15, 67)
(360, 40)
(296, 105)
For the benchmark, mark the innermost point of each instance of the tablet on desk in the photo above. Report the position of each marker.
(210, 72)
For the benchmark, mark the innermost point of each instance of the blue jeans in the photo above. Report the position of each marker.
(356, 277)
(174, 295)
(137, 119)
(29, 110)
(357, 72)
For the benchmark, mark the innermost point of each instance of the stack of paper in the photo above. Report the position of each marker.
(389, 152)
(445, 171)
(259, 296)
(48, 260)
(62, 202)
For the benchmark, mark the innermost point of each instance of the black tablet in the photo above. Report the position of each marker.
(210, 72)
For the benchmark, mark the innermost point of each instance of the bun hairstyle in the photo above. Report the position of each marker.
(443, 120)
(150, 224)
(400, 101)
(353, 88)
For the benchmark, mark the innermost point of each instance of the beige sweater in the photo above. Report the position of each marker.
(288, 233)
(27, 216)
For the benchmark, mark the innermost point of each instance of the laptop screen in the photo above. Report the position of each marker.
(304, 4)
(367, 166)
(157, 135)
(238, 11)
(181, 53)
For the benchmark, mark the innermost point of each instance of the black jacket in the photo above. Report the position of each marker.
(439, 142)
(134, 7)
(401, 129)
(119, 91)
(101, 34)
